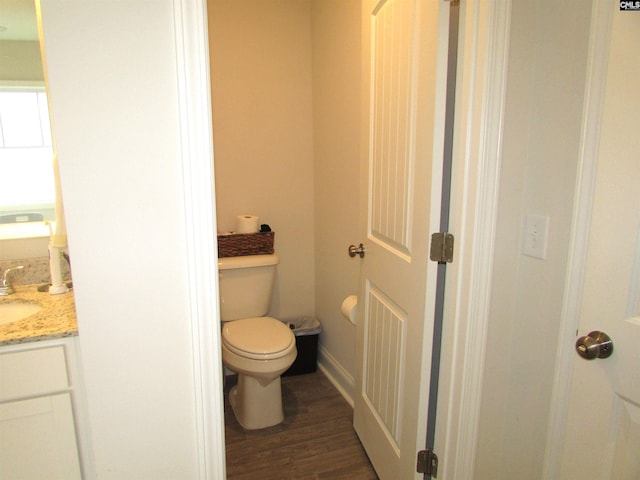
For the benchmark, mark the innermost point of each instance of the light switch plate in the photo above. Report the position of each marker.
(536, 233)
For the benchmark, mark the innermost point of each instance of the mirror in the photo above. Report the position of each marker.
(27, 192)
(32, 230)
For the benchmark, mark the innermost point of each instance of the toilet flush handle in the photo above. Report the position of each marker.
(359, 250)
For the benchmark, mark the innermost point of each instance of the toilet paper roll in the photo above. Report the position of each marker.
(350, 308)
(247, 224)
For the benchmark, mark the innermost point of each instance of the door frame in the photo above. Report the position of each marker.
(482, 63)
(481, 88)
(196, 132)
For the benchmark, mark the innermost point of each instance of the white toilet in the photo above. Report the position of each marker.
(258, 348)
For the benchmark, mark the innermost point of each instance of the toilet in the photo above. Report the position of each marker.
(258, 348)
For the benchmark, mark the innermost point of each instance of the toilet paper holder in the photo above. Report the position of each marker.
(349, 308)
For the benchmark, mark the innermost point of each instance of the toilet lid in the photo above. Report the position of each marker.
(257, 336)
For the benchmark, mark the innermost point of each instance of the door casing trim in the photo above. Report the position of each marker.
(196, 136)
(482, 67)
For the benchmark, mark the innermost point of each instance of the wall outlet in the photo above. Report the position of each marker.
(536, 232)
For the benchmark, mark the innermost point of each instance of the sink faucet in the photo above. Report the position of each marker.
(5, 288)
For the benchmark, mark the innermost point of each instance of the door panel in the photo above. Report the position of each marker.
(602, 434)
(383, 364)
(393, 349)
(391, 162)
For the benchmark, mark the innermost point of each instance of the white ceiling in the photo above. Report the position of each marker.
(18, 20)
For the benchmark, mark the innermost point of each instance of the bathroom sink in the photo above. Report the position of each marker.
(10, 312)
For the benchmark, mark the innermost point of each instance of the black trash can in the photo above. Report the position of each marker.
(306, 330)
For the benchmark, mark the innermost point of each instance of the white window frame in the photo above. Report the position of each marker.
(28, 229)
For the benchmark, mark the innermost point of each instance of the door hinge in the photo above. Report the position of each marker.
(441, 247)
(428, 463)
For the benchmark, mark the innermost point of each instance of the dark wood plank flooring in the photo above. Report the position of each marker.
(315, 441)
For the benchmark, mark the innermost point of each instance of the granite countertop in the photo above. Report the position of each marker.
(56, 319)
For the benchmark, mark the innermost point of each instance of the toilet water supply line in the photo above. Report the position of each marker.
(57, 239)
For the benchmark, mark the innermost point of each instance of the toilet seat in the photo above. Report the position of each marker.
(259, 338)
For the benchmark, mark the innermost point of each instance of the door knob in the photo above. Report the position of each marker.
(359, 250)
(594, 345)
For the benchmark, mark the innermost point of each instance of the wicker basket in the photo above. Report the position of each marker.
(243, 244)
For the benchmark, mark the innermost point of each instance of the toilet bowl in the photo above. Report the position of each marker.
(259, 350)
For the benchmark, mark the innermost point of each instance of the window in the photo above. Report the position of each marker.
(26, 153)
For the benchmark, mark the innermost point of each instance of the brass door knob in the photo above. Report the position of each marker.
(359, 250)
(594, 345)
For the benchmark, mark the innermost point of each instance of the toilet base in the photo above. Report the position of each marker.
(255, 405)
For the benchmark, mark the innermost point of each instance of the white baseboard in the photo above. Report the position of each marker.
(337, 375)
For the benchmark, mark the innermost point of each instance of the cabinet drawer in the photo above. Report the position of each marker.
(32, 372)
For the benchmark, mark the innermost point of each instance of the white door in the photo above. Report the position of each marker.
(602, 434)
(403, 115)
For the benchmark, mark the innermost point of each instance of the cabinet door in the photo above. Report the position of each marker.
(38, 440)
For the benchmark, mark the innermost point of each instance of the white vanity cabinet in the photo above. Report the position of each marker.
(38, 433)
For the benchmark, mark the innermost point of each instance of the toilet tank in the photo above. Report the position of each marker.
(246, 285)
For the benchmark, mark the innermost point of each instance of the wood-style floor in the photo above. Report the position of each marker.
(315, 441)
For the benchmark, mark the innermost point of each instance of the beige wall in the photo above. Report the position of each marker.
(286, 99)
(21, 248)
(20, 62)
(547, 64)
(336, 122)
(263, 138)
